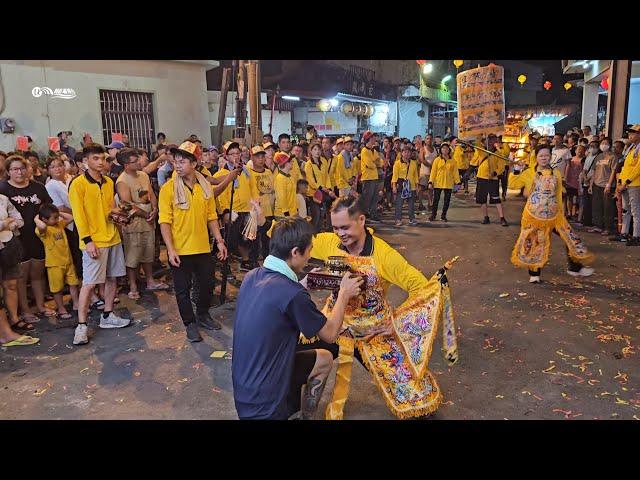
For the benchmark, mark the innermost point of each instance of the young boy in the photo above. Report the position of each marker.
(301, 194)
(50, 225)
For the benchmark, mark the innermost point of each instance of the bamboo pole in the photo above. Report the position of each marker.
(253, 101)
(222, 110)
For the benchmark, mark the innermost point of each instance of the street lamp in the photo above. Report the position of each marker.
(427, 68)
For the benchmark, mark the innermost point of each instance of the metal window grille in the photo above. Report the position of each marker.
(130, 113)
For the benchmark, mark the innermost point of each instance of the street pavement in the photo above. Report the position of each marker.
(563, 349)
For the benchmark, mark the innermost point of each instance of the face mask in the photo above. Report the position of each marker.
(593, 151)
(604, 147)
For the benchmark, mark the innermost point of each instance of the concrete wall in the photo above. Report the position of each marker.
(179, 88)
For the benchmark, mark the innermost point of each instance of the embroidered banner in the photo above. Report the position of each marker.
(481, 101)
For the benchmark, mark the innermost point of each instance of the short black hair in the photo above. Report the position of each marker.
(301, 183)
(269, 136)
(53, 158)
(575, 137)
(125, 154)
(289, 233)
(29, 154)
(160, 134)
(542, 146)
(353, 205)
(78, 157)
(47, 210)
(91, 148)
(283, 136)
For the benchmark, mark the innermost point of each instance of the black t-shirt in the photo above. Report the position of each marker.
(271, 312)
(27, 201)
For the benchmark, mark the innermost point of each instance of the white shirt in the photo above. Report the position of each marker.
(59, 193)
(559, 158)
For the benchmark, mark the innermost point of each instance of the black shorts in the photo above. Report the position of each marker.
(32, 248)
(487, 188)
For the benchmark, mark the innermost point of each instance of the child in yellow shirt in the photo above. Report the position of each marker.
(50, 225)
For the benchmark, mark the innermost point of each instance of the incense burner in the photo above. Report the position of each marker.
(330, 277)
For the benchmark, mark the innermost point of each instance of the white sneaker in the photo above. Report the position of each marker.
(113, 321)
(533, 279)
(583, 272)
(80, 337)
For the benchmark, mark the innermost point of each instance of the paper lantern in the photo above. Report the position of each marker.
(547, 85)
(522, 79)
(605, 83)
(567, 86)
(458, 63)
(421, 62)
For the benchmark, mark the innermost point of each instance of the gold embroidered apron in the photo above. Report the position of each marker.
(397, 363)
(541, 215)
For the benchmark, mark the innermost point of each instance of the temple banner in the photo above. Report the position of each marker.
(481, 101)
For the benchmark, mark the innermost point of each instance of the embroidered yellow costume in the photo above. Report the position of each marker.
(542, 214)
(397, 363)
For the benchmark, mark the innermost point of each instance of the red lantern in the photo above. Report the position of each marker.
(605, 83)
(547, 85)
(421, 62)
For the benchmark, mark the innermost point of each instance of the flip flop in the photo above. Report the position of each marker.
(158, 286)
(30, 318)
(24, 340)
(97, 305)
(48, 313)
(24, 328)
(134, 295)
(65, 316)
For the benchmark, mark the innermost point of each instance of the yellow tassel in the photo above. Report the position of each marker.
(335, 409)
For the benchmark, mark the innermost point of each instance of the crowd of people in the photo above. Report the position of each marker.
(77, 221)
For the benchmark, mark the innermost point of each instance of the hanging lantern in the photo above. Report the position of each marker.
(547, 85)
(567, 86)
(421, 62)
(458, 63)
(522, 79)
(605, 83)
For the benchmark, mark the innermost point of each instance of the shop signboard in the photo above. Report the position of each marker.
(333, 123)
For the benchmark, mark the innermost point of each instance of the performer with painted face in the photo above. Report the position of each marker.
(394, 345)
(542, 215)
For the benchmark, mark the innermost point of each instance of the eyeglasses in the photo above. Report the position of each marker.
(18, 169)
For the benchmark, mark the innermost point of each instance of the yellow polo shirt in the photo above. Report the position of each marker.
(188, 227)
(91, 204)
(286, 202)
(631, 168)
(369, 163)
(444, 173)
(224, 199)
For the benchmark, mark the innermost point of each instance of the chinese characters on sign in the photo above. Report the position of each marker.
(481, 101)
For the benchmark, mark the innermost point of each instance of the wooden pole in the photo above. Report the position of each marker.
(259, 88)
(253, 101)
(241, 102)
(222, 110)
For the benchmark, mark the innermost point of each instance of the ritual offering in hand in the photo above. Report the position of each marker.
(330, 277)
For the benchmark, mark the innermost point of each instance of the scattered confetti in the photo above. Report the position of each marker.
(218, 354)
(503, 295)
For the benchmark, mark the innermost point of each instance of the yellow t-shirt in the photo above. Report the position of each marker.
(631, 168)
(245, 191)
(223, 200)
(316, 176)
(392, 267)
(369, 163)
(331, 171)
(444, 173)
(462, 161)
(402, 170)
(91, 204)
(286, 202)
(56, 246)
(263, 185)
(188, 227)
(296, 173)
(487, 168)
(342, 173)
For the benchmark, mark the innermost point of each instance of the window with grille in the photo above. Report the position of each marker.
(130, 113)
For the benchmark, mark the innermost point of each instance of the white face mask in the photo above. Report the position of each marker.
(604, 147)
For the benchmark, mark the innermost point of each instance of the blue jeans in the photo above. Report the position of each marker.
(400, 201)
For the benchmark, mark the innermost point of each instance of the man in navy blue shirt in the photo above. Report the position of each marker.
(273, 307)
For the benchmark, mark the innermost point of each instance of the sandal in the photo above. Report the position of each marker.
(134, 295)
(30, 318)
(48, 313)
(22, 326)
(97, 305)
(22, 341)
(65, 316)
(158, 286)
